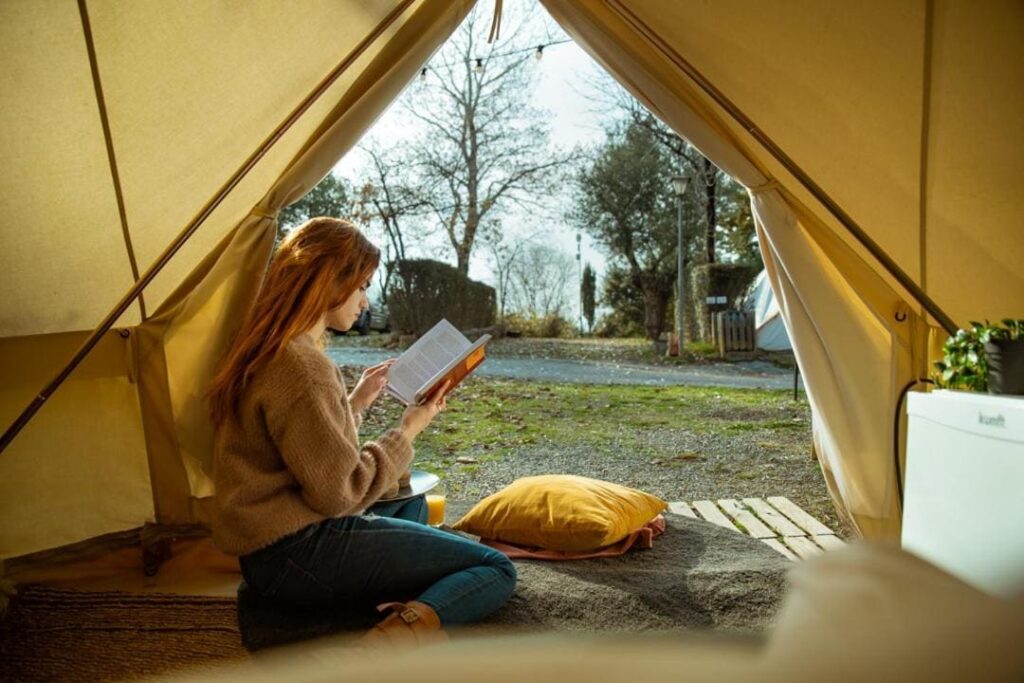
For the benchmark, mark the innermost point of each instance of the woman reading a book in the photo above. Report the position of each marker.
(296, 490)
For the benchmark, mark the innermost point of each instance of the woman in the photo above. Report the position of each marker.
(296, 491)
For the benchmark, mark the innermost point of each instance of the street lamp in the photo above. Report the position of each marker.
(579, 280)
(679, 183)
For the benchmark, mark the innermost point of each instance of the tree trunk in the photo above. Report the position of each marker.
(655, 305)
(710, 189)
(462, 258)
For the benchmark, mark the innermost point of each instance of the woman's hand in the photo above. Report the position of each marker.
(370, 384)
(416, 418)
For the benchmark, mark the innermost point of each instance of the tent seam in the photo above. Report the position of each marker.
(108, 140)
(926, 100)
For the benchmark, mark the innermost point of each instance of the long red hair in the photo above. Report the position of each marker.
(316, 268)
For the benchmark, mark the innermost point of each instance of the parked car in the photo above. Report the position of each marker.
(380, 317)
(376, 318)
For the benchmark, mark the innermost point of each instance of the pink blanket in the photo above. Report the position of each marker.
(641, 539)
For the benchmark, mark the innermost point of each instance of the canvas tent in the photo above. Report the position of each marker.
(126, 125)
(769, 327)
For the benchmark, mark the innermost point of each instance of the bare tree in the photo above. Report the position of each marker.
(485, 147)
(541, 276)
(387, 196)
(503, 252)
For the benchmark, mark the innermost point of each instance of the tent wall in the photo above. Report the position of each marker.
(178, 135)
(61, 228)
(79, 469)
(973, 236)
(857, 96)
(190, 90)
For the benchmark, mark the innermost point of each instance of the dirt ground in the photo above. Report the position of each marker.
(680, 443)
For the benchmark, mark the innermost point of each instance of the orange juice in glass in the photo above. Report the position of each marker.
(435, 509)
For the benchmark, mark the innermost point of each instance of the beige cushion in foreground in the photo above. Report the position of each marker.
(863, 613)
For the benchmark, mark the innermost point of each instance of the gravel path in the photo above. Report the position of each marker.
(751, 375)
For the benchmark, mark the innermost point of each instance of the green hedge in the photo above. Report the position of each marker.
(424, 291)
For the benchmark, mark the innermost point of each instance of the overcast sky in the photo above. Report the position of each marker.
(565, 73)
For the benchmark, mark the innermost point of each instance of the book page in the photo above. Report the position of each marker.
(423, 360)
(457, 370)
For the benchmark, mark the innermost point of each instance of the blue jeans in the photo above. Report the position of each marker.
(389, 554)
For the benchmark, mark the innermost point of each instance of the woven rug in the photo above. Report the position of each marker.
(59, 634)
(697, 576)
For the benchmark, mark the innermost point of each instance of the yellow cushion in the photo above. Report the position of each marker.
(561, 512)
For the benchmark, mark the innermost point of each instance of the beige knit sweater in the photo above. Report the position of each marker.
(293, 457)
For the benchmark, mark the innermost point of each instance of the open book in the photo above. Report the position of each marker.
(443, 353)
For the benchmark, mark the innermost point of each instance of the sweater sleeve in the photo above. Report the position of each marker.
(357, 417)
(335, 475)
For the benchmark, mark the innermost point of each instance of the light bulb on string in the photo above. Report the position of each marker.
(539, 53)
(479, 65)
(423, 75)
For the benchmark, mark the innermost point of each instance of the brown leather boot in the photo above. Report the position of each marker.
(410, 624)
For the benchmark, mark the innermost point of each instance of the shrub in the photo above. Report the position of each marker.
(424, 291)
(626, 318)
(540, 326)
(619, 324)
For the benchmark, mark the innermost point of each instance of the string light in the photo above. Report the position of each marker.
(478, 62)
(535, 50)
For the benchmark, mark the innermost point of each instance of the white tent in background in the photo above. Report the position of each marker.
(768, 323)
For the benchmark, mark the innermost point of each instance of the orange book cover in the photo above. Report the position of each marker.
(460, 372)
(441, 354)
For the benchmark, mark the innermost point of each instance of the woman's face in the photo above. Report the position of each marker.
(344, 316)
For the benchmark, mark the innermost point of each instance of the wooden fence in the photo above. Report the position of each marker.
(734, 331)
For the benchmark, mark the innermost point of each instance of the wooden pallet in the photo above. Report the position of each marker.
(777, 522)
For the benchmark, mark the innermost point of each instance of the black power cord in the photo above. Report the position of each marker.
(896, 432)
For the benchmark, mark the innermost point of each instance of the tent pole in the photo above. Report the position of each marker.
(115, 177)
(194, 224)
(845, 219)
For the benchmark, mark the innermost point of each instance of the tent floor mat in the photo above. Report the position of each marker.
(63, 634)
(697, 576)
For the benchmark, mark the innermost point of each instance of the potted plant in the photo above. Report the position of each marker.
(984, 357)
(1004, 352)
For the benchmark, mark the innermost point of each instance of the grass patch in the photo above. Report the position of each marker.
(489, 418)
(678, 442)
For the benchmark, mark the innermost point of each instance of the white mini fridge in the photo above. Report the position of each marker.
(964, 490)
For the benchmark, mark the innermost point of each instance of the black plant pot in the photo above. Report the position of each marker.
(1005, 366)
